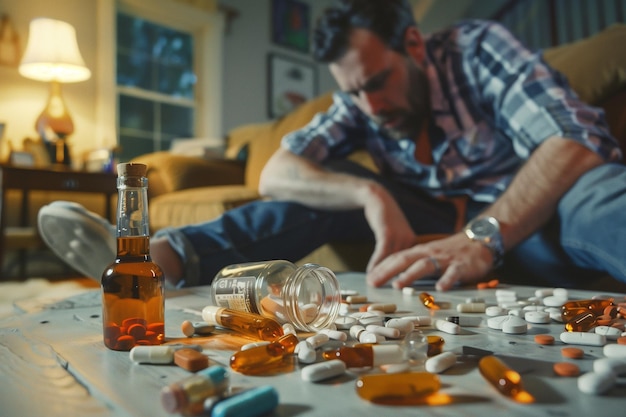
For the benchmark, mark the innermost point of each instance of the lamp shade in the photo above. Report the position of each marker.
(52, 53)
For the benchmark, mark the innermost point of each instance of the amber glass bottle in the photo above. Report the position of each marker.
(133, 297)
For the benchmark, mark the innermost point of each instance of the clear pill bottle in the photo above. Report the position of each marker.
(307, 296)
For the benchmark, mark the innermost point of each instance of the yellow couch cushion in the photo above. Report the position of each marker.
(595, 66)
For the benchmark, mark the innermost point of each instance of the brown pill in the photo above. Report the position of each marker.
(125, 342)
(363, 308)
(138, 331)
(572, 353)
(482, 285)
(604, 320)
(493, 283)
(191, 359)
(544, 339)
(610, 311)
(621, 340)
(566, 369)
(133, 320)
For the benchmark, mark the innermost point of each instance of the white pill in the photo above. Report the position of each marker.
(408, 291)
(345, 322)
(611, 333)
(318, 339)
(514, 325)
(596, 383)
(544, 292)
(583, 338)
(395, 368)
(517, 312)
(289, 328)
(537, 317)
(323, 370)
(495, 311)
(474, 300)
(369, 337)
(420, 320)
(554, 301)
(614, 350)
(306, 352)
(335, 334)
(347, 292)
(534, 307)
(508, 304)
(356, 330)
(440, 363)
(465, 321)
(344, 309)
(561, 292)
(389, 332)
(555, 314)
(385, 308)
(152, 354)
(615, 365)
(254, 344)
(496, 322)
(402, 324)
(371, 319)
(471, 307)
(447, 327)
(500, 293)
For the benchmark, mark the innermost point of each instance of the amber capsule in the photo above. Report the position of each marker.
(397, 389)
(261, 358)
(366, 355)
(573, 308)
(428, 301)
(250, 324)
(435, 345)
(505, 380)
(582, 322)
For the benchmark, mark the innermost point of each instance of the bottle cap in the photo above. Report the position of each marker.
(209, 314)
(131, 169)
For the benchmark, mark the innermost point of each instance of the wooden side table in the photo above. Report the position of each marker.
(36, 179)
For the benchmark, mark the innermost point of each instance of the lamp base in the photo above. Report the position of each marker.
(59, 152)
(54, 121)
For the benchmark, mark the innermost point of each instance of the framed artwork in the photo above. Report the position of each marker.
(291, 24)
(291, 83)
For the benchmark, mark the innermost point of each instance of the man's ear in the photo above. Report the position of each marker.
(413, 44)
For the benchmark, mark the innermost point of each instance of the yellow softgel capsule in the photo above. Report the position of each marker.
(397, 389)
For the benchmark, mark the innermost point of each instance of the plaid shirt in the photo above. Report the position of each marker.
(493, 102)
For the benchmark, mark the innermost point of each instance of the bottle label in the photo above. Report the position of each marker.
(236, 293)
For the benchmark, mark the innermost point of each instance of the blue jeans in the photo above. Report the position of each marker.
(586, 236)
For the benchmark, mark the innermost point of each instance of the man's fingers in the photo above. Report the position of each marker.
(422, 268)
(448, 280)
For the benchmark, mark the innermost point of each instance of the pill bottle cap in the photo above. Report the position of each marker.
(210, 315)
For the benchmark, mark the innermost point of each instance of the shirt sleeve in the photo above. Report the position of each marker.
(529, 100)
(333, 134)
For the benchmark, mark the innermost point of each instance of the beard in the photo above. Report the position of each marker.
(407, 123)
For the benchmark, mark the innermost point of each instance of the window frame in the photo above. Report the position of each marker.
(207, 29)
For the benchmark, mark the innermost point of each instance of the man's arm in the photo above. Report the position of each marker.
(287, 176)
(522, 209)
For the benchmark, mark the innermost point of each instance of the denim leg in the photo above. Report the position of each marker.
(264, 230)
(587, 238)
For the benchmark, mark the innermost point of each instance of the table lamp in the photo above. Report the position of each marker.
(52, 55)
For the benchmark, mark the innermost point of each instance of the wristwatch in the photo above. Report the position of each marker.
(486, 230)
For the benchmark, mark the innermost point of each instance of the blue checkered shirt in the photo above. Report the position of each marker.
(493, 102)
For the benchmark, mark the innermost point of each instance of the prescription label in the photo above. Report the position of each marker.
(236, 293)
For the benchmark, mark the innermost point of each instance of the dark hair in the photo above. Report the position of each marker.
(388, 19)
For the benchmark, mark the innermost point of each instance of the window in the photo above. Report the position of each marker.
(160, 74)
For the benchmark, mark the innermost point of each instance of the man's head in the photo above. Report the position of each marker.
(375, 53)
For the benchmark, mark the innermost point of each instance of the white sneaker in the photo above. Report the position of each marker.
(81, 238)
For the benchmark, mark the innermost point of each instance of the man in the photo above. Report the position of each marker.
(466, 113)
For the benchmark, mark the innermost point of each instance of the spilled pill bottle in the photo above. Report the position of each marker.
(307, 296)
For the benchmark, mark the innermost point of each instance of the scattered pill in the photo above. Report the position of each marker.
(191, 359)
(389, 332)
(496, 322)
(537, 317)
(495, 311)
(254, 402)
(544, 292)
(615, 351)
(408, 291)
(621, 340)
(385, 308)
(371, 318)
(514, 325)
(420, 320)
(323, 370)
(554, 301)
(471, 307)
(583, 338)
(345, 322)
(306, 353)
(356, 299)
(335, 334)
(199, 328)
(439, 363)
(317, 339)
(566, 369)
(465, 321)
(402, 324)
(289, 328)
(572, 353)
(152, 354)
(396, 368)
(428, 300)
(447, 327)
(596, 383)
(615, 365)
(544, 339)
(611, 333)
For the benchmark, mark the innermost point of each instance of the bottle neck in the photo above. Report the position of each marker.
(132, 207)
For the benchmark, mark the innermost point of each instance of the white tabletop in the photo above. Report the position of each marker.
(53, 363)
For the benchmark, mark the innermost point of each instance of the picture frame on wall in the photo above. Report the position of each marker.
(291, 83)
(291, 24)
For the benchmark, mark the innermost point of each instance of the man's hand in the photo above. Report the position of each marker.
(389, 225)
(458, 258)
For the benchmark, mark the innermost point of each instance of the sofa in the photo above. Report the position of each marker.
(184, 189)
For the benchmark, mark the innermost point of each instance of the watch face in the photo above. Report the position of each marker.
(483, 228)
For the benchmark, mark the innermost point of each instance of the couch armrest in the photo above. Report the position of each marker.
(169, 172)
